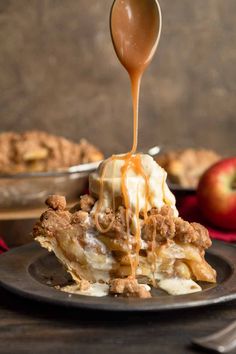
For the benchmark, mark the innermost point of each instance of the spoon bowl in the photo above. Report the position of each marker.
(135, 27)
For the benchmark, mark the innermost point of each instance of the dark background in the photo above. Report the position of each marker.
(58, 72)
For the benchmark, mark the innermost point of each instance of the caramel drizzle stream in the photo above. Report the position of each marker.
(153, 249)
(135, 79)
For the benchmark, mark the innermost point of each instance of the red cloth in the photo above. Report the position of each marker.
(3, 246)
(189, 210)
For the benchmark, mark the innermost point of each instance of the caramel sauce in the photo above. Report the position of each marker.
(135, 29)
(153, 249)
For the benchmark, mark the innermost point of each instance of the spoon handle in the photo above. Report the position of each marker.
(222, 341)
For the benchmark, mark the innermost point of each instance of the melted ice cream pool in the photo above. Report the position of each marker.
(173, 286)
(177, 286)
(95, 289)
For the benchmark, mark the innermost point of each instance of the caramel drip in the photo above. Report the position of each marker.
(134, 162)
(124, 190)
(130, 162)
(138, 168)
(137, 237)
(125, 197)
(135, 86)
(153, 249)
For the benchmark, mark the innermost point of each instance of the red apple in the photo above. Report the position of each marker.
(217, 194)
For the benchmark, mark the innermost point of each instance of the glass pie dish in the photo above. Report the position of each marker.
(30, 189)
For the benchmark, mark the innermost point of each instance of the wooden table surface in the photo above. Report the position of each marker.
(31, 327)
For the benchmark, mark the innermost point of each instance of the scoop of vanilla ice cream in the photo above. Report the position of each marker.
(159, 193)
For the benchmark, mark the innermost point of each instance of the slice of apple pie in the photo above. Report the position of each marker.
(126, 236)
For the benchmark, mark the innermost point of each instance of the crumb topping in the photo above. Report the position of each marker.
(165, 227)
(56, 202)
(117, 221)
(86, 203)
(84, 285)
(128, 287)
(34, 151)
(160, 223)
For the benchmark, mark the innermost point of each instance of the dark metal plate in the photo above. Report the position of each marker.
(32, 272)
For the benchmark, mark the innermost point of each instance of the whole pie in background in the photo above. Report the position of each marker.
(38, 151)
